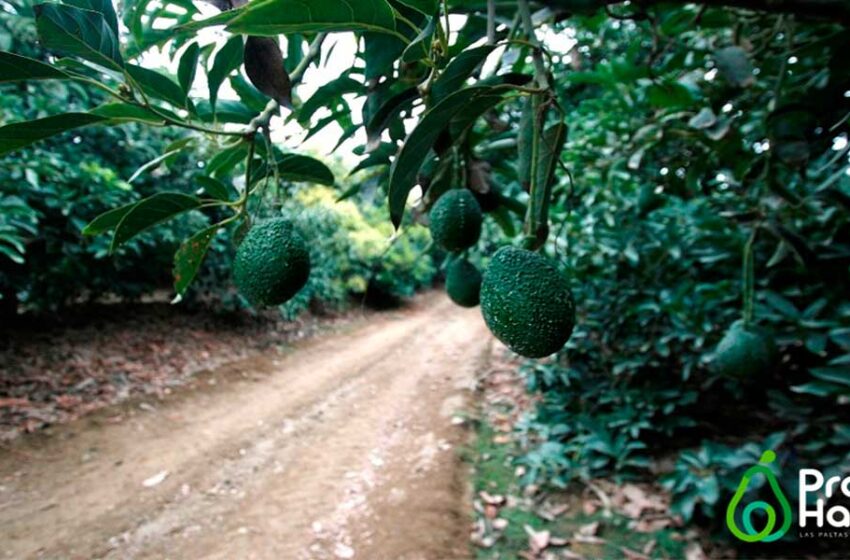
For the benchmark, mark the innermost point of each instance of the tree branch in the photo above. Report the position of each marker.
(539, 66)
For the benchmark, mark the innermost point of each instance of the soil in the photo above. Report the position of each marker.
(343, 445)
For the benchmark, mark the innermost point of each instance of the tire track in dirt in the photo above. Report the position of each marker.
(343, 447)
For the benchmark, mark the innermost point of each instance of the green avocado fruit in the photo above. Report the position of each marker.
(272, 263)
(456, 220)
(463, 283)
(648, 200)
(527, 303)
(745, 351)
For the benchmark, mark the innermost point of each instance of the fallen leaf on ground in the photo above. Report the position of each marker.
(537, 540)
(589, 530)
(630, 554)
(551, 511)
(694, 552)
(343, 551)
(10, 402)
(492, 499)
(585, 539)
(155, 479)
(637, 501)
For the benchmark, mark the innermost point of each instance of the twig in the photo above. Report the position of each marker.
(491, 22)
(603, 497)
(539, 66)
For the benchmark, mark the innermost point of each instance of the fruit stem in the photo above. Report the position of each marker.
(748, 279)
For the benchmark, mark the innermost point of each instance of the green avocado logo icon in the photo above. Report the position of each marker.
(749, 534)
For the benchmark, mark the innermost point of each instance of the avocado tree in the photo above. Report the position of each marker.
(466, 109)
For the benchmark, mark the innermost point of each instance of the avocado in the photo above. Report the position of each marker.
(463, 283)
(745, 351)
(648, 200)
(456, 220)
(272, 263)
(527, 303)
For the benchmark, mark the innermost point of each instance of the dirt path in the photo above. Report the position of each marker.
(344, 447)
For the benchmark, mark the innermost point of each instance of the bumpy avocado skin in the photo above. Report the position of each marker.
(744, 352)
(527, 303)
(463, 283)
(456, 220)
(272, 263)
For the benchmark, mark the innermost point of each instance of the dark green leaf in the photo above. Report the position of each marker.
(389, 110)
(380, 52)
(124, 112)
(214, 188)
(427, 7)
(819, 389)
(226, 111)
(551, 145)
(836, 374)
(422, 139)
(228, 59)
(458, 70)
(154, 163)
(103, 7)
(157, 85)
(188, 67)
(150, 212)
(329, 95)
(78, 32)
(525, 137)
(295, 167)
(17, 68)
(18, 135)
(350, 191)
(108, 220)
(379, 156)
(190, 255)
(669, 95)
(225, 160)
(253, 98)
(477, 107)
(420, 47)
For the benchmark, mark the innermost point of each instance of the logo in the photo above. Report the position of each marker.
(767, 534)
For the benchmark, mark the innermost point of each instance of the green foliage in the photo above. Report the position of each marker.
(494, 473)
(702, 476)
(351, 252)
(697, 135)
